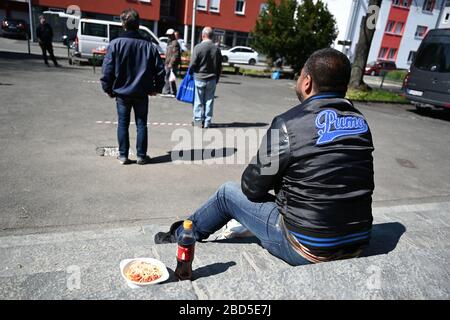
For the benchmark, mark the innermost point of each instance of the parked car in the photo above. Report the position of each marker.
(377, 68)
(92, 34)
(427, 85)
(240, 55)
(15, 28)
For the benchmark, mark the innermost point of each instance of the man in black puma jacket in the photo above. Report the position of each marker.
(318, 160)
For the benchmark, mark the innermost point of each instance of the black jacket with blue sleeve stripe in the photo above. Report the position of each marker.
(318, 158)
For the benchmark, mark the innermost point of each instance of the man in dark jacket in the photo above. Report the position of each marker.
(172, 63)
(318, 160)
(44, 33)
(132, 70)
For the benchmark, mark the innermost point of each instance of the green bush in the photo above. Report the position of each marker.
(396, 75)
(375, 96)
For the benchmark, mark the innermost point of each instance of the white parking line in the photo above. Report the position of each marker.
(148, 123)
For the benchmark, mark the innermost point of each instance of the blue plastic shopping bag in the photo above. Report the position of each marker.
(186, 91)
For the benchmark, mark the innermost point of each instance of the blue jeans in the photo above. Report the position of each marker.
(140, 107)
(204, 100)
(261, 218)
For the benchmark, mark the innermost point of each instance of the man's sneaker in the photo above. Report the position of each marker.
(123, 160)
(167, 95)
(168, 237)
(144, 160)
(207, 125)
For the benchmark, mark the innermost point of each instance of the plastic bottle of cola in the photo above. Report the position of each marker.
(185, 254)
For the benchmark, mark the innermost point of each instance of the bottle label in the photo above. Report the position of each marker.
(185, 254)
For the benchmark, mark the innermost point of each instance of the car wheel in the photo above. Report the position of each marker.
(225, 59)
(252, 62)
(373, 73)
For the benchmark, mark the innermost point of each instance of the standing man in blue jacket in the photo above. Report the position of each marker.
(132, 70)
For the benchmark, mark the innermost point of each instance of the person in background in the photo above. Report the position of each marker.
(172, 63)
(44, 33)
(206, 64)
(132, 70)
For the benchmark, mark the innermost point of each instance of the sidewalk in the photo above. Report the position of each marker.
(18, 45)
(408, 259)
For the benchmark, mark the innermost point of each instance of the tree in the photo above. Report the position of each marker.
(294, 31)
(367, 30)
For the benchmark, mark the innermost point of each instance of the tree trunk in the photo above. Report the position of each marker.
(362, 51)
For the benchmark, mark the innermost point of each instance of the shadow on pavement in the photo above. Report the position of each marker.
(19, 55)
(443, 114)
(239, 125)
(194, 154)
(203, 272)
(385, 237)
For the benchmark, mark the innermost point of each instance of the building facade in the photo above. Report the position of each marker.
(401, 26)
(231, 20)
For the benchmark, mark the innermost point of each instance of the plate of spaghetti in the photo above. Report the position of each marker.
(143, 271)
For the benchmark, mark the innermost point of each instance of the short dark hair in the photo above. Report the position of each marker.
(130, 19)
(329, 69)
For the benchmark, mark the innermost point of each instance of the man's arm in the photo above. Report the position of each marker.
(194, 65)
(108, 69)
(271, 161)
(219, 63)
(158, 70)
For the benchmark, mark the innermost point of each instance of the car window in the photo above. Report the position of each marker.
(247, 50)
(147, 36)
(434, 57)
(94, 29)
(115, 32)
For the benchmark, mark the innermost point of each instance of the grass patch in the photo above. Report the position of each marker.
(396, 75)
(375, 96)
(252, 72)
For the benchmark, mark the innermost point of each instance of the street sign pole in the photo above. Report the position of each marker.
(31, 20)
(194, 11)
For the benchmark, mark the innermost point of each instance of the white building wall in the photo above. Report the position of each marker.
(445, 23)
(416, 18)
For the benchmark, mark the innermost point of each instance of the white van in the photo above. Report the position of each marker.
(92, 34)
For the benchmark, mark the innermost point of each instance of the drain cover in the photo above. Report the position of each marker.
(406, 163)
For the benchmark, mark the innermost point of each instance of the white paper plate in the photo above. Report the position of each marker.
(133, 284)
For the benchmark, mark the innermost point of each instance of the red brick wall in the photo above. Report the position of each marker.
(148, 11)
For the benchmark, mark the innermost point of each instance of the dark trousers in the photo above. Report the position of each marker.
(140, 107)
(170, 87)
(47, 46)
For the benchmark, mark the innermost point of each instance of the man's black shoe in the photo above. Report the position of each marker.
(168, 237)
(143, 161)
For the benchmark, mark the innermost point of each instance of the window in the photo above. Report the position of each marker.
(382, 53)
(201, 4)
(428, 5)
(420, 31)
(401, 3)
(392, 53)
(240, 7)
(114, 31)
(390, 25)
(94, 29)
(214, 5)
(411, 56)
(434, 57)
(399, 28)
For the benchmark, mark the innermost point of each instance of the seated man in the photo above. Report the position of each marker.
(320, 165)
